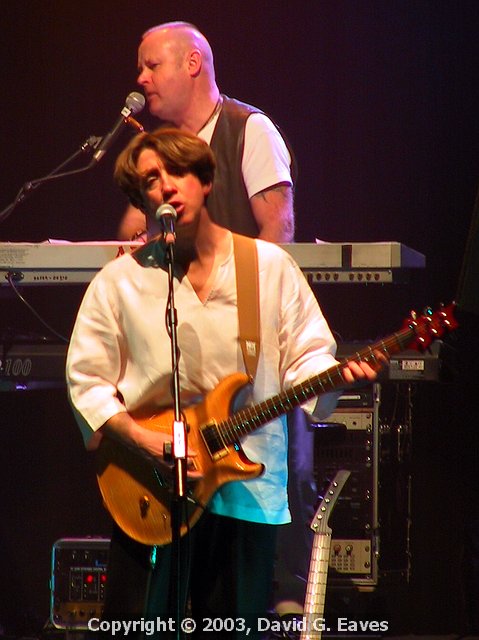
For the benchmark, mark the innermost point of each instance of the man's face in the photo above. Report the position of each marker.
(163, 75)
(184, 192)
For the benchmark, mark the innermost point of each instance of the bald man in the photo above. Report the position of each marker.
(176, 72)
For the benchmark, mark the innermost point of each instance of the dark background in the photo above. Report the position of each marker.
(379, 100)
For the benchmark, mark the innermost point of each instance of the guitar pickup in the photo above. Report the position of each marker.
(213, 440)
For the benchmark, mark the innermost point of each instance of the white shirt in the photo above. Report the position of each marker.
(120, 344)
(266, 160)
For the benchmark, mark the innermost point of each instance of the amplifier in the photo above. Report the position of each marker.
(38, 365)
(77, 582)
(417, 366)
(358, 397)
(351, 557)
(354, 522)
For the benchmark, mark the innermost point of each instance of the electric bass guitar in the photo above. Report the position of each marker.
(313, 621)
(138, 496)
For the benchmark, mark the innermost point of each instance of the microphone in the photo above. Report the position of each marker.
(166, 215)
(134, 103)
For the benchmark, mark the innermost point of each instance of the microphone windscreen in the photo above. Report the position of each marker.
(135, 102)
(165, 210)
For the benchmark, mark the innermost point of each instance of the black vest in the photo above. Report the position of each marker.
(228, 201)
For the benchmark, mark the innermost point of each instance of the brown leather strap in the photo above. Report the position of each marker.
(247, 291)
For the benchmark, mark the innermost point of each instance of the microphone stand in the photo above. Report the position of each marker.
(179, 447)
(90, 144)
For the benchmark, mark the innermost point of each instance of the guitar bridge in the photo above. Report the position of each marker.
(213, 440)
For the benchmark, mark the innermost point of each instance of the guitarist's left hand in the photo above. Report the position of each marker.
(363, 371)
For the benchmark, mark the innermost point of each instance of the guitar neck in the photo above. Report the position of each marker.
(251, 418)
(316, 587)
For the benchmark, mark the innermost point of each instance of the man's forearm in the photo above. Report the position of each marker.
(274, 213)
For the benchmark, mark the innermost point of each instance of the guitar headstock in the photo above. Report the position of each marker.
(430, 326)
(319, 523)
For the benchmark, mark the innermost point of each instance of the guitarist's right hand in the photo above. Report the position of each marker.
(150, 444)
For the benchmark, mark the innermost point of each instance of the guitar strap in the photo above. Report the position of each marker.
(247, 291)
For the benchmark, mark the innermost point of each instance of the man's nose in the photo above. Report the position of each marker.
(142, 77)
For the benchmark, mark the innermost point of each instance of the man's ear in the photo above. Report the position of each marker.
(195, 62)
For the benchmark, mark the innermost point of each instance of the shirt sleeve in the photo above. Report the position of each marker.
(306, 341)
(93, 362)
(266, 159)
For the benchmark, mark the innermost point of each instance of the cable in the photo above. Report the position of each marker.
(33, 311)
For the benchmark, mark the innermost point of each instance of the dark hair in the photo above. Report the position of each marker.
(180, 151)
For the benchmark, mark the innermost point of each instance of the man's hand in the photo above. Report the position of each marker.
(363, 371)
(150, 444)
(132, 225)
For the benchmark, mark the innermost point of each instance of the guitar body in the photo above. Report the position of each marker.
(139, 498)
